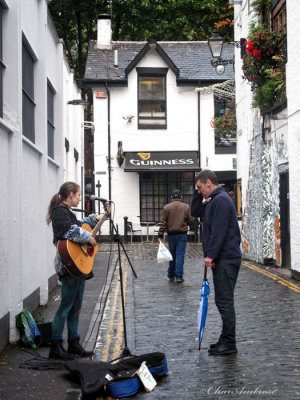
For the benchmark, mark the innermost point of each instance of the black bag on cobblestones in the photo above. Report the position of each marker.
(126, 382)
(120, 378)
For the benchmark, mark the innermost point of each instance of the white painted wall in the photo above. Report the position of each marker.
(73, 116)
(181, 134)
(259, 162)
(293, 90)
(28, 177)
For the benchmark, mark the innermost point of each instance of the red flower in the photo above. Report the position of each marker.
(257, 54)
(264, 38)
(250, 47)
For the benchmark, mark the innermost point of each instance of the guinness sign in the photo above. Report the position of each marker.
(162, 161)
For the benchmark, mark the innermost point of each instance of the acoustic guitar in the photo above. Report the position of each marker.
(78, 258)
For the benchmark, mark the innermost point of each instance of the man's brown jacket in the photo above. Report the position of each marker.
(175, 218)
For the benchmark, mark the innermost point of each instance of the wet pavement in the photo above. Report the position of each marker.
(22, 384)
(162, 316)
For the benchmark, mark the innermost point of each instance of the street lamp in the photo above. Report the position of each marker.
(215, 43)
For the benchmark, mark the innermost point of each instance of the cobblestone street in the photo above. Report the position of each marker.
(162, 316)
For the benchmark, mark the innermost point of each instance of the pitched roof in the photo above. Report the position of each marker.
(190, 61)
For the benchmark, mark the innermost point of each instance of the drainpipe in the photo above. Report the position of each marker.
(109, 152)
(109, 143)
(199, 130)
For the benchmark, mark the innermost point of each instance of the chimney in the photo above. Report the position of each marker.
(104, 32)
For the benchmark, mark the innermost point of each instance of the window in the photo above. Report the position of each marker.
(1, 64)
(76, 155)
(156, 189)
(28, 92)
(279, 16)
(152, 98)
(224, 124)
(50, 119)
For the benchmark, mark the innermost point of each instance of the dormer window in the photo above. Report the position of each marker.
(152, 113)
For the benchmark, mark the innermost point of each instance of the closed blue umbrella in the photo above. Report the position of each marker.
(202, 311)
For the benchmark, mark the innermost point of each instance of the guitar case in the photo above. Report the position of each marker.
(119, 378)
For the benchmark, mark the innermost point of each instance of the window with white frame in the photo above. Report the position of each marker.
(50, 119)
(152, 98)
(28, 109)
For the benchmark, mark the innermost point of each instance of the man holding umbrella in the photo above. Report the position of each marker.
(221, 248)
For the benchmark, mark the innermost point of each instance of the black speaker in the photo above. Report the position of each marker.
(45, 329)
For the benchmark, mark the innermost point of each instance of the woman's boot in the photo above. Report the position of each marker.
(74, 347)
(58, 352)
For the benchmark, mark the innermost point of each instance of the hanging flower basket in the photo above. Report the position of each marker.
(264, 66)
(261, 46)
(225, 125)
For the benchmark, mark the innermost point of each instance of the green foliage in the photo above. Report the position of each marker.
(261, 6)
(169, 20)
(76, 22)
(262, 9)
(265, 95)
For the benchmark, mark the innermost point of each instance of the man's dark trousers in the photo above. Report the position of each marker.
(225, 275)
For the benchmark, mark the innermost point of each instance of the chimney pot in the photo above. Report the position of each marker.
(104, 32)
(116, 61)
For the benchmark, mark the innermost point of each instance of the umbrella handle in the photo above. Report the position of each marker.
(205, 273)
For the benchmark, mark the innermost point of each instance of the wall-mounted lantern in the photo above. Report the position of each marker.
(215, 43)
(120, 154)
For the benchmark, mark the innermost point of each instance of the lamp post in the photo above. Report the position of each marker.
(215, 43)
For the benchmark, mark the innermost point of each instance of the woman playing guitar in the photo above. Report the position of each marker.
(66, 226)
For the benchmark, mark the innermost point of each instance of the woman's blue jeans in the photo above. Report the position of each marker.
(177, 246)
(72, 290)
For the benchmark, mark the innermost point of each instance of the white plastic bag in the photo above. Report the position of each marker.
(163, 254)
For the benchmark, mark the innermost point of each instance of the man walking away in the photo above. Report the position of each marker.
(221, 248)
(176, 217)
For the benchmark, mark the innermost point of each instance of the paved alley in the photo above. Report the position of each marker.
(162, 316)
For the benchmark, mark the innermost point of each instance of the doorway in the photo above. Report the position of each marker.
(284, 203)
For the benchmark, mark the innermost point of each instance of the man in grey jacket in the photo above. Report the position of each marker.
(175, 219)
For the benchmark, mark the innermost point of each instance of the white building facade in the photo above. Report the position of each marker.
(36, 84)
(267, 151)
(146, 108)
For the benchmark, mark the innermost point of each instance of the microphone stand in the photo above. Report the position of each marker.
(126, 352)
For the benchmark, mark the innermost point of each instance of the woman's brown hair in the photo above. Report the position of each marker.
(64, 191)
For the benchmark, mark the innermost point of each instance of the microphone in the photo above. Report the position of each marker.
(93, 197)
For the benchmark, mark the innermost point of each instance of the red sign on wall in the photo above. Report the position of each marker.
(101, 95)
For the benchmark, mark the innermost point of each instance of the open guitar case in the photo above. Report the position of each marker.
(120, 379)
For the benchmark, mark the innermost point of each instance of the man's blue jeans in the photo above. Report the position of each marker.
(225, 275)
(71, 300)
(177, 245)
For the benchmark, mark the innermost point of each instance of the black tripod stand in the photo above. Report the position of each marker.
(126, 352)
